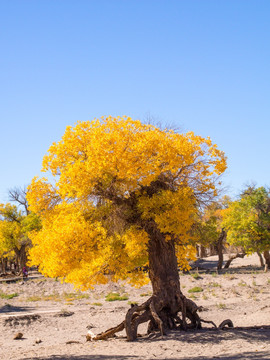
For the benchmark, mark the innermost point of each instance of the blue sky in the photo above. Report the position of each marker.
(198, 65)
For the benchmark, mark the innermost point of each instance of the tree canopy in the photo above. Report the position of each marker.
(112, 178)
(14, 228)
(247, 220)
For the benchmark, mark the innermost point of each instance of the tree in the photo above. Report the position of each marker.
(18, 195)
(11, 232)
(209, 230)
(124, 197)
(247, 221)
(14, 228)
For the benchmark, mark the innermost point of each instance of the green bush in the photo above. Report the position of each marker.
(8, 296)
(116, 296)
(195, 289)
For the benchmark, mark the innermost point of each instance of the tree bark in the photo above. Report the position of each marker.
(163, 271)
(261, 258)
(228, 263)
(219, 248)
(164, 276)
(266, 255)
(202, 251)
(21, 256)
(162, 309)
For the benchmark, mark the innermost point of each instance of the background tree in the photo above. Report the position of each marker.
(209, 230)
(18, 195)
(124, 197)
(15, 224)
(247, 221)
(6, 252)
(11, 233)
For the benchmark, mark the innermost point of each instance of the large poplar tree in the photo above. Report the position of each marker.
(124, 198)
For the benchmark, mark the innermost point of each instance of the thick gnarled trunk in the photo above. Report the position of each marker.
(163, 272)
(162, 309)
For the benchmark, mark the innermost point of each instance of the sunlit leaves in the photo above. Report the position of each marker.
(247, 221)
(110, 177)
(14, 228)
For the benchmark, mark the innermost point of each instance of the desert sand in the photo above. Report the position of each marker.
(53, 318)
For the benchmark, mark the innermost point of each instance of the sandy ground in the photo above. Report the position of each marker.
(54, 319)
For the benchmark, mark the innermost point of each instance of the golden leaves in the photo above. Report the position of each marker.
(97, 167)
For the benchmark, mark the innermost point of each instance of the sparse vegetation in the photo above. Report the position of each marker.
(214, 284)
(112, 296)
(50, 297)
(196, 276)
(146, 294)
(97, 304)
(132, 303)
(221, 306)
(76, 296)
(58, 297)
(195, 289)
(8, 296)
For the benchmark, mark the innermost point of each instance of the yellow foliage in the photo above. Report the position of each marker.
(107, 175)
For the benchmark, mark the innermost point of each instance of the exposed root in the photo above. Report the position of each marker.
(225, 323)
(209, 322)
(106, 334)
(156, 318)
(134, 317)
(160, 318)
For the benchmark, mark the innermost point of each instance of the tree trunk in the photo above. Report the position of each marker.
(232, 257)
(212, 250)
(261, 258)
(163, 272)
(202, 251)
(164, 276)
(266, 255)
(21, 256)
(162, 308)
(219, 248)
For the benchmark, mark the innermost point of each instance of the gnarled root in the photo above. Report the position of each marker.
(106, 334)
(160, 318)
(225, 323)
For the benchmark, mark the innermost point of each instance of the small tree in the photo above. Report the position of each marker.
(14, 228)
(11, 232)
(209, 230)
(124, 197)
(247, 221)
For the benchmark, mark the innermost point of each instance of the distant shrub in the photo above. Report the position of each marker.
(8, 296)
(195, 289)
(116, 296)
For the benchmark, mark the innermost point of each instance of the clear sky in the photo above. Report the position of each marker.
(198, 65)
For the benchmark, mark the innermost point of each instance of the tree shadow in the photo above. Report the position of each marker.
(86, 357)
(7, 308)
(205, 265)
(250, 355)
(214, 336)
